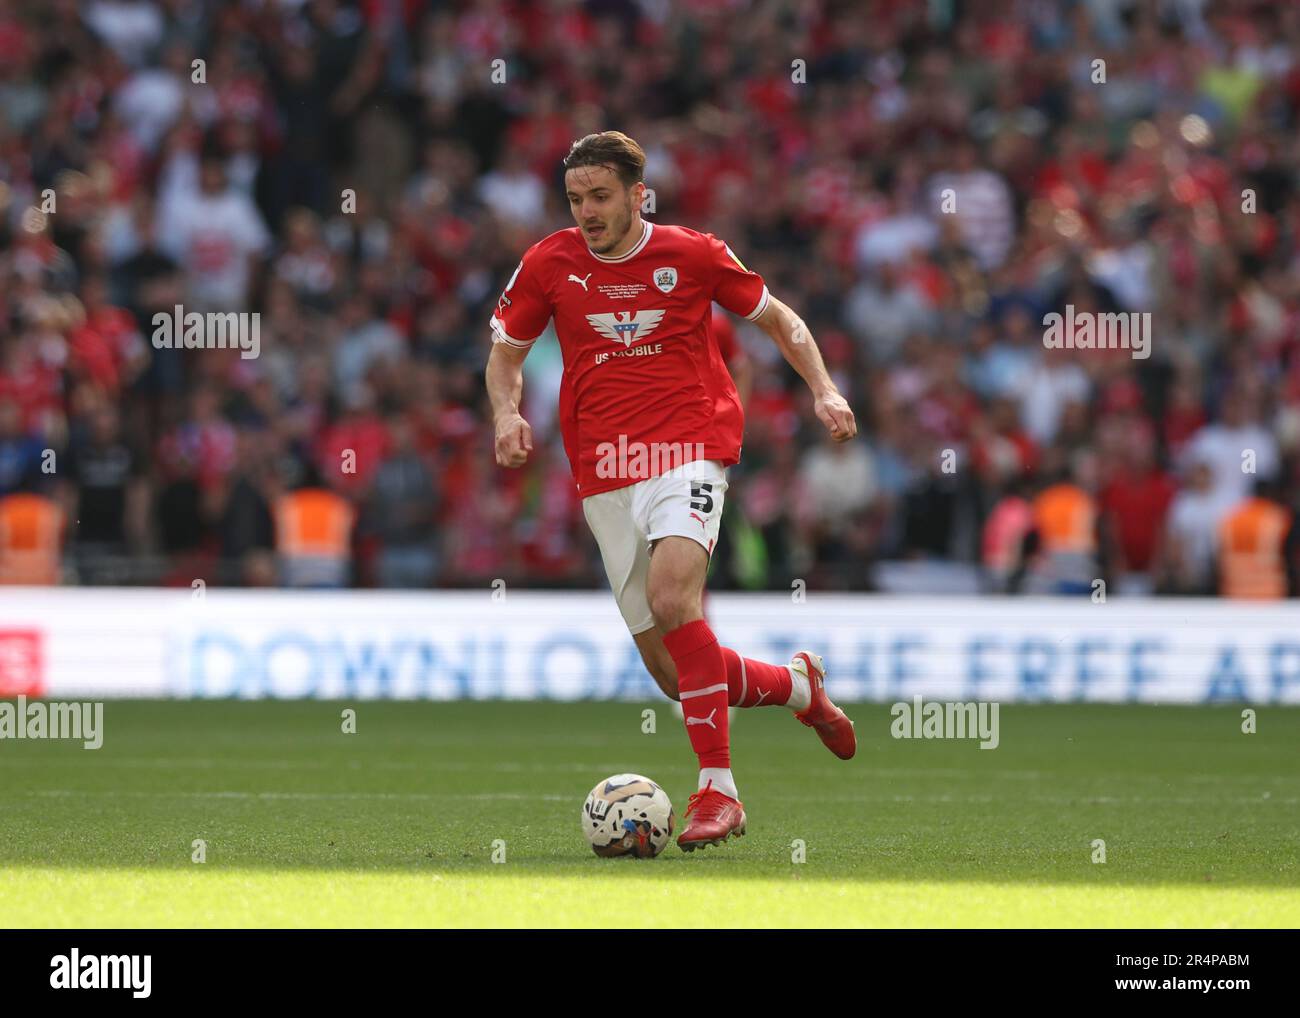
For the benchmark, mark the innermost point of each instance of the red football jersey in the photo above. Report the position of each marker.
(724, 334)
(640, 368)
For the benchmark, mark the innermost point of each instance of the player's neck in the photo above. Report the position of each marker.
(630, 239)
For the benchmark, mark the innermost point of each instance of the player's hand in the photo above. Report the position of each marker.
(833, 410)
(514, 441)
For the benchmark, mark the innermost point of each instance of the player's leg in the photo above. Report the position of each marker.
(750, 683)
(675, 566)
(680, 512)
(687, 505)
(798, 686)
(677, 569)
(625, 554)
(658, 662)
(821, 715)
(754, 683)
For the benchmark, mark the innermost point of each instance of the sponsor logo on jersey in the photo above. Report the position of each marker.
(666, 279)
(734, 258)
(625, 326)
(503, 301)
(644, 350)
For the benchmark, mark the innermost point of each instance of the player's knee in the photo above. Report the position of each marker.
(671, 609)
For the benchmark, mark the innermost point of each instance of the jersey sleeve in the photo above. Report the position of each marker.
(735, 287)
(523, 308)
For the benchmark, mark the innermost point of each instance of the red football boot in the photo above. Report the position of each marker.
(710, 818)
(828, 721)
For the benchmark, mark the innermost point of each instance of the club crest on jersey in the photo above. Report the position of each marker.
(625, 326)
(666, 279)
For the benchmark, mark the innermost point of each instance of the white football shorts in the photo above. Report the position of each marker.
(684, 502)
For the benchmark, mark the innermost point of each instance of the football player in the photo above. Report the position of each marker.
(651, 420)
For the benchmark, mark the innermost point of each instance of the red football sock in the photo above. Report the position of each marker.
(702, 686)
(753, 683)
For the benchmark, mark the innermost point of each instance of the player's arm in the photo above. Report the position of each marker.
(505, 388)
(521, 314)
(795, 341)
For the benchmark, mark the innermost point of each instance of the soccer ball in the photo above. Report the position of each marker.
(627, 814)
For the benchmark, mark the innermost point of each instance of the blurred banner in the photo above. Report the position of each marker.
(81, 643)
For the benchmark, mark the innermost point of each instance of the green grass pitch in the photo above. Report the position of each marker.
(395, 825)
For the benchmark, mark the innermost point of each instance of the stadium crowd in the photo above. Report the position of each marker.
(921, 181)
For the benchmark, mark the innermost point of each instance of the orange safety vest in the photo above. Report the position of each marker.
(1252, 560)
(1066, 518)
(31, 532)
(313, 522)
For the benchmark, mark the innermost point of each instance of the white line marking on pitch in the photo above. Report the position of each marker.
(58, 793)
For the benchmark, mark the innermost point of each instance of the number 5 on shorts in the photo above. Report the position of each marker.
(701, 496)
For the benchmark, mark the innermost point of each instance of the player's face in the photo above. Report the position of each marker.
(604, 208)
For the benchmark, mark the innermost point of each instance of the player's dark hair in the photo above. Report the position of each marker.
(611, 149)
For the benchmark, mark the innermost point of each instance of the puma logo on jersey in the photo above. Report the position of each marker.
(704, 721)
(583, 280)
(695, 516)
(626, 326)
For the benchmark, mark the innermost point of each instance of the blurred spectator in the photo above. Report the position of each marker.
(1191, 534)
(838, 487)
(215, 233)
(107, 491)
(1134, 502)
(513, 192)
(403, 507)
(31, 534)
(247, 523)
(20, 450)
(1069, 540)
(1236, 448)
(883, 311)
(365, 340)
(313, 538)
(981, 202)
(1257, 548)
(1009, 538)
